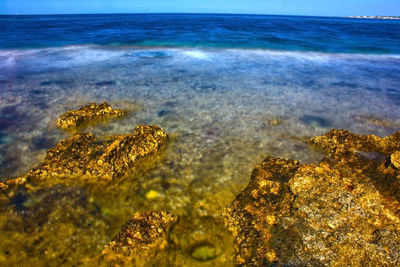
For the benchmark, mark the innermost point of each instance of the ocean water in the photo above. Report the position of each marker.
(228, 89)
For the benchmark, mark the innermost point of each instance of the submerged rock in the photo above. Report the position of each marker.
(87, 114)
(201, 241)
(55, 226)
(344, 211)
(140, 240)
(374, 121)
(85, 157)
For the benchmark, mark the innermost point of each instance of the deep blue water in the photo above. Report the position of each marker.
(343, 35)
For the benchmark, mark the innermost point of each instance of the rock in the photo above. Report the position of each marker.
(204, 252)
(315, 121)
(374, 121)
(91, 113)
(201, 241)
(3, 186)
(14, 182)
(338, 143)
(140, 240)
(395, 159)
(151, 195)
(344, 211)
(253, 214)
(87, 158)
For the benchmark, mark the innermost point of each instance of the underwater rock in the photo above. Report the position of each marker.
(106, 83)
(85, 157)
(201, 241)
(87, 114)
(344, 211)
(37, 227)
(140, 240)
(315, 121)
(374, 121)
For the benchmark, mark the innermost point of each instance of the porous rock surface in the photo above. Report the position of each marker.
(140, 240)
(90, 113)
(343, 211)
(85, 157)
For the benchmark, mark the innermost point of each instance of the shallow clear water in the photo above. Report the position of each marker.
(225, 109)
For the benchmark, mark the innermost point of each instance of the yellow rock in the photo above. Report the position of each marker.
(152, 194)
(83, 157)
(87, 114)
(271, 219)
(343, 211)
(395, 159)
(141, 241)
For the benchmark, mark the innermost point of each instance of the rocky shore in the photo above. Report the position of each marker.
(343, 211)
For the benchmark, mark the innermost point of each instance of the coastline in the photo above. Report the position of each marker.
(247, 169)
(373, 17)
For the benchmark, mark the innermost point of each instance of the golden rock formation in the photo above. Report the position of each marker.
(140, 240)
(86, 158)
(344, 211)
(88, 114)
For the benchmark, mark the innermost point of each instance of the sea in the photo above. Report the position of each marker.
(229, 90)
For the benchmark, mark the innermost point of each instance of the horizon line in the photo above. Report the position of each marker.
(188, 13)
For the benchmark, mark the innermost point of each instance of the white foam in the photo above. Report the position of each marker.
(58, 57)
(196, 54)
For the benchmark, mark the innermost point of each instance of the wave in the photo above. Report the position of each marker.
(88, 53)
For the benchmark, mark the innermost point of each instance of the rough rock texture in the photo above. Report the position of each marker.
(12, 182)
(83, 156)
(90, 113)
(139, 241)
(395, 159)
(345, 211)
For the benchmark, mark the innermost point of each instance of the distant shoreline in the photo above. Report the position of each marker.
(172, 13)
(374, 17)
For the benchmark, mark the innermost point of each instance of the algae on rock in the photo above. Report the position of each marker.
(161, 239)
(140, 241)
(343, 211)
(90, 113)
(54, 226)
(84, 157)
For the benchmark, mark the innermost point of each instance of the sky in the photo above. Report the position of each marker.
(273, 7)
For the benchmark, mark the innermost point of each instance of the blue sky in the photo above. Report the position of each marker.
(290, 7)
